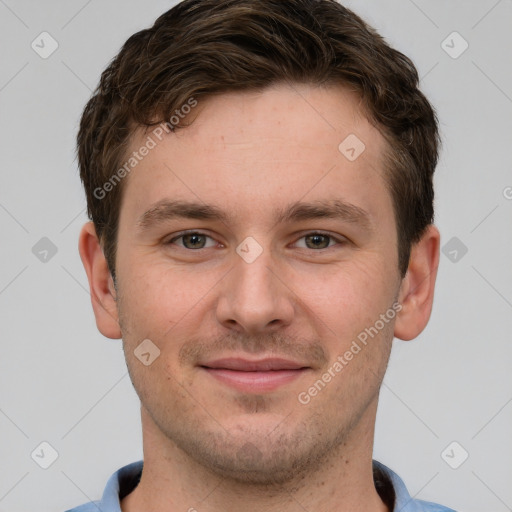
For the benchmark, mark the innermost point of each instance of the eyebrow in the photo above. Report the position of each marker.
(166, 210)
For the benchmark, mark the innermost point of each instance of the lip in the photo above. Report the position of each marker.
(257, 376)
(259, 365)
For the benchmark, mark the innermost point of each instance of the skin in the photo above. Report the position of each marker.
(206, 444)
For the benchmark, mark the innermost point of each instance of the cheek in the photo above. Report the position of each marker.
(347, 296)
(158, 297)
(167, 307)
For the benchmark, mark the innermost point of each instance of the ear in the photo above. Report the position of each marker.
(416, 293)
(103, 294)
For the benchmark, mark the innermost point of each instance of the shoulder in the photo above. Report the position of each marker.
(427, 506)
(403, 502)
(119, 485)
(92, 506)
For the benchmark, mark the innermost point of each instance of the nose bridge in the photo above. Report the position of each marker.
(254, 298)
(256, 278)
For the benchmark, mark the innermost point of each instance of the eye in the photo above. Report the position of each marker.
(319, 241)
(193, 240)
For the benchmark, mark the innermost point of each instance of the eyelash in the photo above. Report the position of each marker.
(312, 233)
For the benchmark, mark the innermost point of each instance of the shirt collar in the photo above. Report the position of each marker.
(390, 486)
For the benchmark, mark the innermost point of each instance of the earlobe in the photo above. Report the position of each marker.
(102, 290)
(417, 289)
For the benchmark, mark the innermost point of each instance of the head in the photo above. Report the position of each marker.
(295, 130)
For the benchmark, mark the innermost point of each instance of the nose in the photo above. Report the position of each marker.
(255, 298)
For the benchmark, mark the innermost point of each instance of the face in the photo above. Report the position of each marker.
(253, 252)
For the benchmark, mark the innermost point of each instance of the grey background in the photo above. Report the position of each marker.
(63, 383)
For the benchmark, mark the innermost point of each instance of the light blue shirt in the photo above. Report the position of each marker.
(124, 481)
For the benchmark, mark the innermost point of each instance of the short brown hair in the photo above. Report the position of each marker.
(204, 47)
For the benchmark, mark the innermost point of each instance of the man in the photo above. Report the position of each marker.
(259, 179)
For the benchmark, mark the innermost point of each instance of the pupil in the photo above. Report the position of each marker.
(194, 239)
(317, 240)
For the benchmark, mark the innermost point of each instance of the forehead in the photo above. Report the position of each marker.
(247, 150)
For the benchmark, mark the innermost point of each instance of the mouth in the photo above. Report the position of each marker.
(259, 376)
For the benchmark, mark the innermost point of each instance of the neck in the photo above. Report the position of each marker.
(173, 481)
